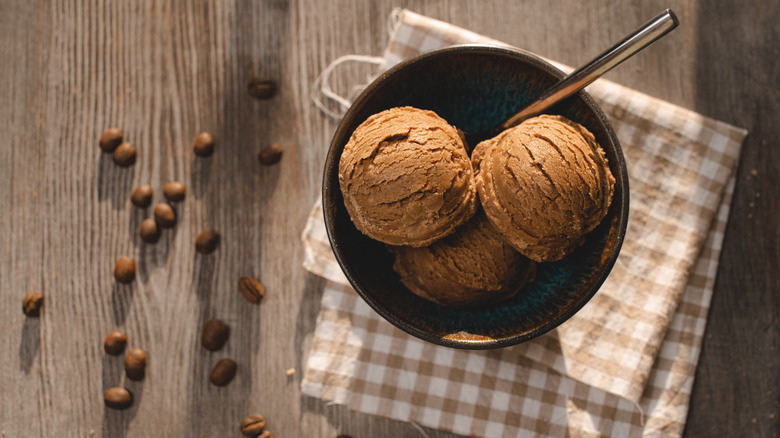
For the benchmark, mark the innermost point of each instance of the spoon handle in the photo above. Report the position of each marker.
(577, 80)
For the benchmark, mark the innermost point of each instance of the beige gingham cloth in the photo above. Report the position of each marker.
(623, 366)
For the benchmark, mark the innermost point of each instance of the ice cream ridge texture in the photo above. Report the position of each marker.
(473, 266)
(406, 177)
(544, 185)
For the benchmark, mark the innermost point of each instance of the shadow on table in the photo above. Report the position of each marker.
(137, 215)
(200, 174)
(114, 182)
(305, 321)
(121, 301)
(30, 343)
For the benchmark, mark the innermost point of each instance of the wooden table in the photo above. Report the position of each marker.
(165, 71)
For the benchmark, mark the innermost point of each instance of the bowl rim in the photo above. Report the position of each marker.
(621, 196)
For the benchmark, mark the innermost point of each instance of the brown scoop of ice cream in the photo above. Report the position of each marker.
(544, 185)
(406, 177)
(473, 266)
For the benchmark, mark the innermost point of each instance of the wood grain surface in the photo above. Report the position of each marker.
(165, 71)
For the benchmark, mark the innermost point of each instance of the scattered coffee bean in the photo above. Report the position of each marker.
(142, 196)
(343, 436)
(149, 231)
(115, 343)
(266, 434)
(206, 242)
(118, 398)
(31, 303)
(135, 364)
(124, 270)
(251, 289)
(270, 155)
(111, 138)
(261, 88)
(223, 372)
(124, 154)
(164, 215)
(214, 335)
(253, 425)
(174, 191)
(203, 145)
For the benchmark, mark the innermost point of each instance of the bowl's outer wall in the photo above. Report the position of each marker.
(474, 88)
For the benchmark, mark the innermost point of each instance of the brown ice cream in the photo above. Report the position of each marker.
(473, 266)
(544, 185)
(406, 177)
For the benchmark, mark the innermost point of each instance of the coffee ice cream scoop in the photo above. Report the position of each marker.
(544, 185)
(471, 267)
(406, 177)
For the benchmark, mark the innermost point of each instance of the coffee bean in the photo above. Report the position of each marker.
(343, 436)
(251, 289)
(261, 88)
(214, 335)
(111, 138)
(174, 191)
(223, 372)
(203, 145)
(124, 270)
(253, 425)
(164, 215)
(124, 154)
(270, 155)
(266, 434)
(149, 231)
(118, 398)
(31, 303)
(115, 343)
(142, 196)
(206, 242)
(135, 364)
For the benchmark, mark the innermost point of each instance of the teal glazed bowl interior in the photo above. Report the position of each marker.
(475, 88)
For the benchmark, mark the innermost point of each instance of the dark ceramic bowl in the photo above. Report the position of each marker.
(474, 88)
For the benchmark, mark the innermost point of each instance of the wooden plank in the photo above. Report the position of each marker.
(737, 385)
(165, 71)
(23, 379)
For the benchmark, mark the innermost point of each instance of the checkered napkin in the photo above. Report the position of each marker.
(623, 365)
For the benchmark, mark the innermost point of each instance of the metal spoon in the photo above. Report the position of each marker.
(578, 79)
